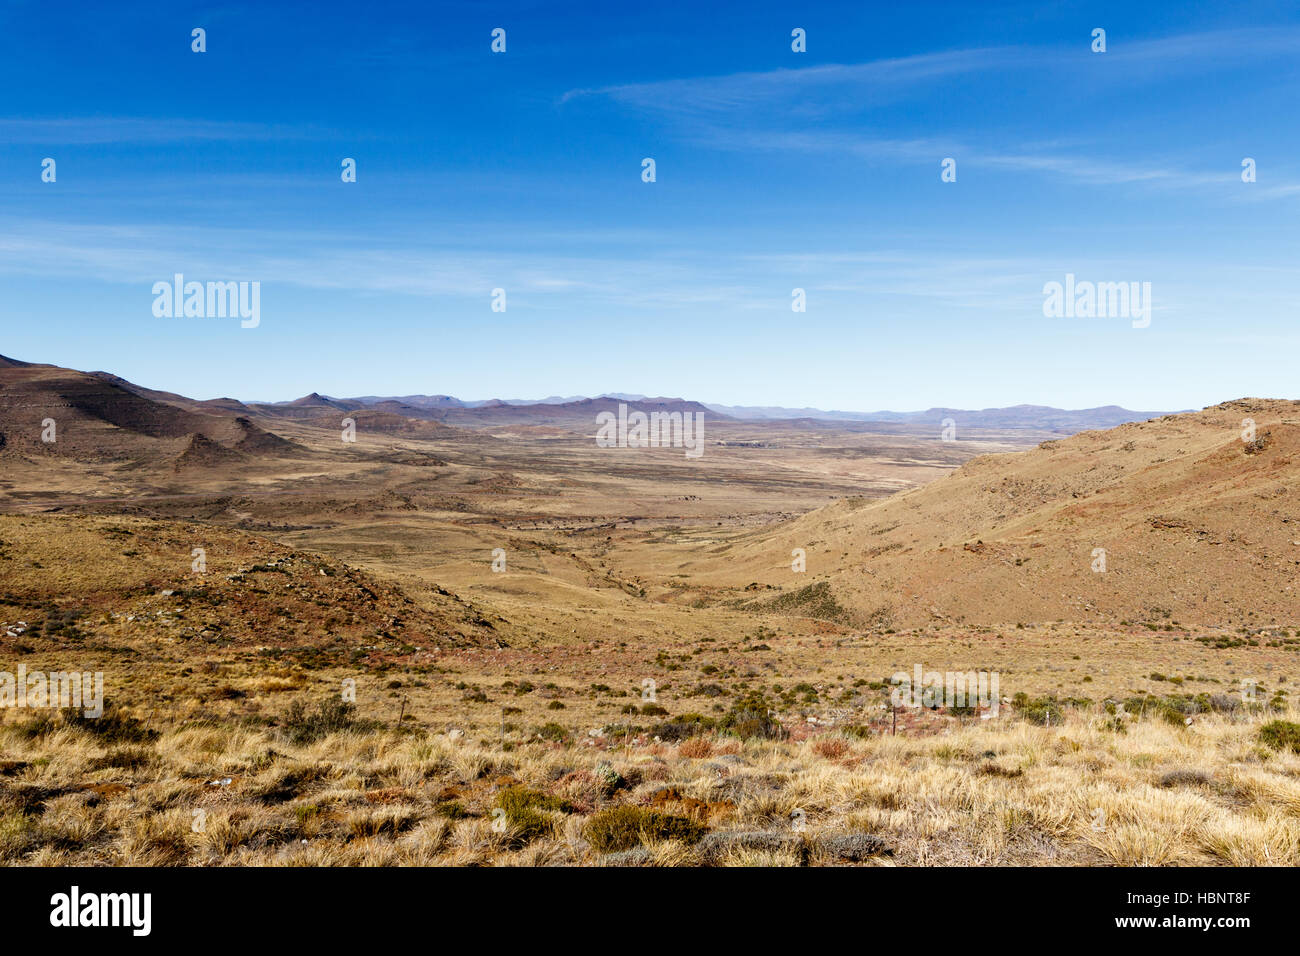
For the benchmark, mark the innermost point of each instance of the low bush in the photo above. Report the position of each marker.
(624, 827)
(1281, 735)
(526, 811)
(303, 726)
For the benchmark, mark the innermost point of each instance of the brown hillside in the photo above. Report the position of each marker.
(1198, 526)
(387, 423)
(133, 581)
(205, 453)
(99, 417)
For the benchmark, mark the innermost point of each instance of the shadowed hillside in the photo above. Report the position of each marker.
(102, 418)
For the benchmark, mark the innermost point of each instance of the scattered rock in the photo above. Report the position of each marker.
(637, 856)
(853, 846)
(718, 844)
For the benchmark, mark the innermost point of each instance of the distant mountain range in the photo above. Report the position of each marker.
(114, 401)
(448, 401)
(1015, 416)
(1040, 417)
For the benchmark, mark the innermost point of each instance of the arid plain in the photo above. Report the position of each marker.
(569, 654)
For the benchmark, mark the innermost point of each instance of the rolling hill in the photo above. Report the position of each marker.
(98, 417)
(1177, 519)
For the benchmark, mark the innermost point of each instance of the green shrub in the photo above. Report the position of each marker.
(526, 809)
(553, 732)
(857, 731)
(1043, 711)
(451, 810)
(1174, 712)
(331, 716)
(518, 799)
(624, 827)
(752, 716)
(1280, 734)
(684, 726)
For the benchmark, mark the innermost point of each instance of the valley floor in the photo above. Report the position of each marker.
(320, 662)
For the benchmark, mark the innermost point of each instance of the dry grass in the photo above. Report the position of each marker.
(472, 684)
(998, 792)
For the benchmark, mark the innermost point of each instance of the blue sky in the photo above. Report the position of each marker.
(775, 170)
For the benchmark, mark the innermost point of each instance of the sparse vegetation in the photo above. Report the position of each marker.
(499, 718)
(1000, 788)
(303, 725)
(624, 827)
(1281, 735)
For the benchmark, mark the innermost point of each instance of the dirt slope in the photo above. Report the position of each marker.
(1197, 525)
(77, 579)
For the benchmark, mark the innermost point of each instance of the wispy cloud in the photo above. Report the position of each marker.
(1072, 161)
(879, 80)
(671, 276)
(883, 80)
(1207, 51)
(94, 130)
(800, 109)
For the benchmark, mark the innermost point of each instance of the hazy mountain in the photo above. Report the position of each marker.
(577, 410)
(1042, 417)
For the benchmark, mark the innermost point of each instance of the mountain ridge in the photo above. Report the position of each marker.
(557, 410)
